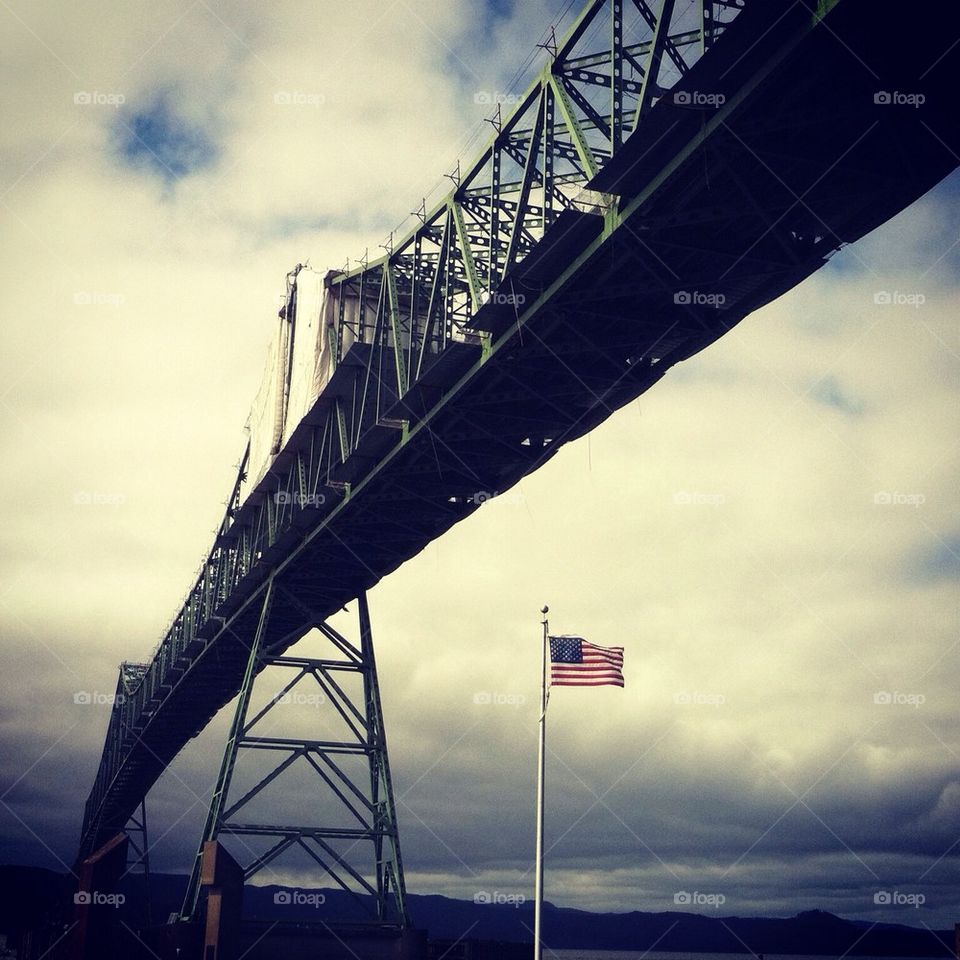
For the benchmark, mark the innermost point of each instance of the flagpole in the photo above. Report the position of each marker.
(541, 754)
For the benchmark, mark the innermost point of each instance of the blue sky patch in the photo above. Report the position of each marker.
(830, 393)
(941, 561)
(160, 140)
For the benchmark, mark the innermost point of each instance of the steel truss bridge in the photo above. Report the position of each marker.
(675, 165)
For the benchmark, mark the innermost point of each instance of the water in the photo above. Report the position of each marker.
(658, 955)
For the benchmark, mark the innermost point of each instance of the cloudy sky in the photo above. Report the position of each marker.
(772, 533)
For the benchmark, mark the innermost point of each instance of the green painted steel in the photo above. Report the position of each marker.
(374, 850)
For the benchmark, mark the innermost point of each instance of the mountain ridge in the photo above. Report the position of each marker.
(31, 895)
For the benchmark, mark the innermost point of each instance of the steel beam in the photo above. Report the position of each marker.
(377, 875)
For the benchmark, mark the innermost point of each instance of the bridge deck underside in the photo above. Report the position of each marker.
(802, 162)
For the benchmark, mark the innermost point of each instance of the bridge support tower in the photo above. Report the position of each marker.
(363, 858)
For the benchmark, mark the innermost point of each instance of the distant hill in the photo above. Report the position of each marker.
(813, 932)
(29, 895)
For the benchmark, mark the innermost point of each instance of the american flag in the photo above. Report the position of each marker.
(576, 663)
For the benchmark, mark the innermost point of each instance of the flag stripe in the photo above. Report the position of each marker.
(576, 668)
(581, 682)
(584, 678)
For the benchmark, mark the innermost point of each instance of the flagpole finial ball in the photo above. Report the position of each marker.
(544, 610)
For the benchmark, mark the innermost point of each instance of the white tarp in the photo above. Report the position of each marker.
(299, 365)
(265, 424)
(330, 313)
(323, 369)
(307, 334)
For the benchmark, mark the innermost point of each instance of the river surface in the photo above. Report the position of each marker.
(671, 955)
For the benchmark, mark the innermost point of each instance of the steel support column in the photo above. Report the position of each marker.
(138, 853)
(375, 881)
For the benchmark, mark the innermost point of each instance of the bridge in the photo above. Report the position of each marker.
(675, 165)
